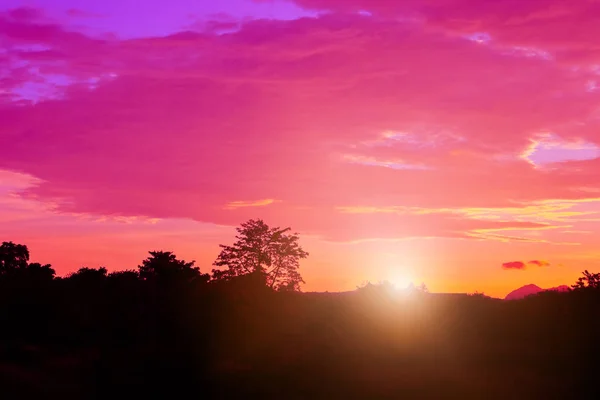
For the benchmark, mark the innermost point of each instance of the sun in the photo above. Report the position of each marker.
(401, 281)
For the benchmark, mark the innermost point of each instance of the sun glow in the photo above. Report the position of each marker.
(401, 281)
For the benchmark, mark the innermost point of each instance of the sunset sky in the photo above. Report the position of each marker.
(451, 142)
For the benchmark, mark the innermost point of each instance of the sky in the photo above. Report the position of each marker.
(453, 142)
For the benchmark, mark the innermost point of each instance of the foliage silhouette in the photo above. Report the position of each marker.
(37, 272)
(260, 249)
(12, 257)
(128, 276)
(479, 294)
(15, 266)
(163, 267)
(85, 274)
(163, 331)
(588, 280)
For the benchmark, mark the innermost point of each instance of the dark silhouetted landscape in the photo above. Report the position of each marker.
(167, 329)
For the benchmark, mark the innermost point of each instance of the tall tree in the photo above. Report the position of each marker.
(272, 252)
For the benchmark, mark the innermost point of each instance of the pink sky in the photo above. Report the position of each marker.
(451, 142)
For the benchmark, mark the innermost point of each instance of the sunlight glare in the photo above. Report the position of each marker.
(401, 281)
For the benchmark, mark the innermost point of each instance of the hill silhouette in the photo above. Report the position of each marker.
(532, 289)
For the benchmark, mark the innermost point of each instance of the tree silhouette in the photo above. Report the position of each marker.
(128, 275)
(14, 264)
(85, 274)
(588, 280)
(270, 252)
(164, 267)
(12, 257)
(37, 272)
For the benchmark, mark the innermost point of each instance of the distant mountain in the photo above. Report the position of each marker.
(523, 292)
(528, 290)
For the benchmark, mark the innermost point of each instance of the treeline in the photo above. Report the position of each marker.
(159, 330)
(163, 326)
(272, 253)
(167, 330)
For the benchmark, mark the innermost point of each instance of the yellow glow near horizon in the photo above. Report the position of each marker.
(401, 280)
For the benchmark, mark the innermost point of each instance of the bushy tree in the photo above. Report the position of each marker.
(14, 264)
(273, 253)
(588, 280)
(13, 256)
(163, 267)
(39, 272)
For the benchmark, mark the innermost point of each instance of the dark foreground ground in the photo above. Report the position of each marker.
(238, 340)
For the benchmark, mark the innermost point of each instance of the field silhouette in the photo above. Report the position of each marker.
(166, 330)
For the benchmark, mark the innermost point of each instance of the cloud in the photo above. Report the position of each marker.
(539, 263)
(521, 265)
(524, 25)
(343, 110)
(241, 204)
(514, 265)
(548, 149)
